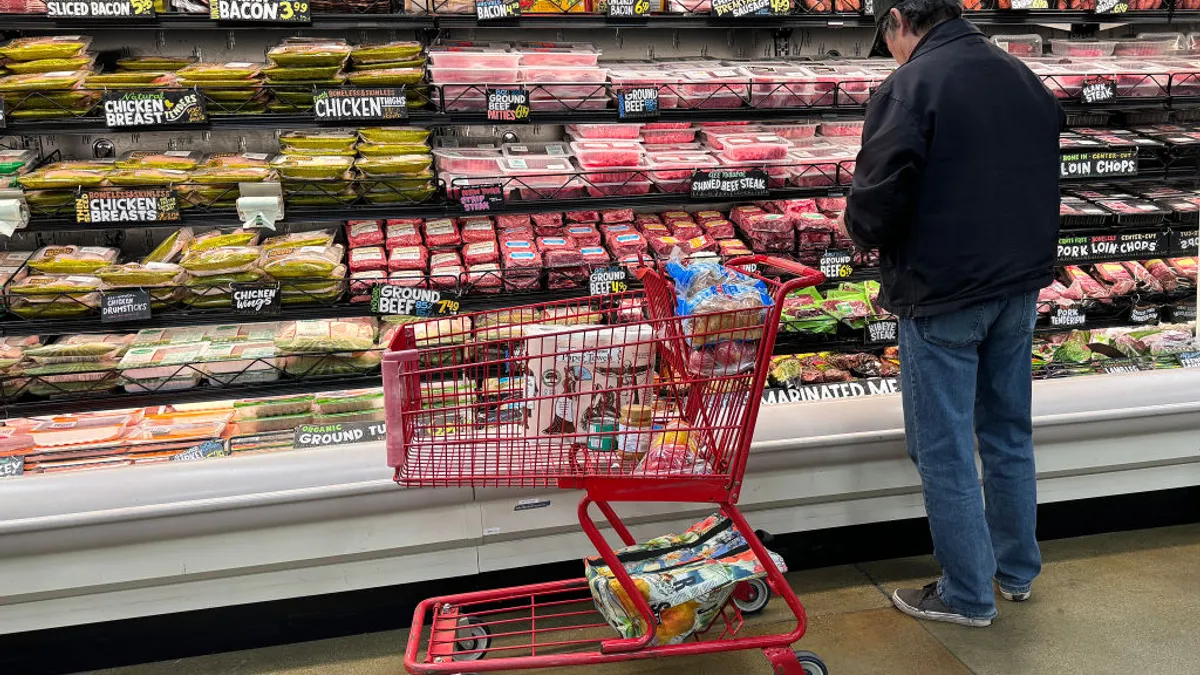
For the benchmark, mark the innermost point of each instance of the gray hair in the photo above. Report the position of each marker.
(922, 15)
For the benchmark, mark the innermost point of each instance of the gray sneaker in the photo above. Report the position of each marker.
(1014, 596)
(924, 603)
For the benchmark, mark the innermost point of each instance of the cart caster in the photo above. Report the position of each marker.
(474, 638)
(811, 663)
(751, 597)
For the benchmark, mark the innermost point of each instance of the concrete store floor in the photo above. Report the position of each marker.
(1117, 603)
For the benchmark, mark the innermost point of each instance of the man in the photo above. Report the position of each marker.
(957, 185)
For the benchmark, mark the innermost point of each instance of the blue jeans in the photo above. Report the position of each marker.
(966, 377)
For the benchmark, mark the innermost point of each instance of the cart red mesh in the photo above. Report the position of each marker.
(541, 395)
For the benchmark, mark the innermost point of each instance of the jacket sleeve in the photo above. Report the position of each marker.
(880, 205)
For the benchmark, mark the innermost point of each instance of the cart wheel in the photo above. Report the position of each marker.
(474, 638)
(751, 597)
(811, 663)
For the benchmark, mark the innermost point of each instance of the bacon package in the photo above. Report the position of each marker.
(442, 232)
(402, 234)
(364, 233)
(480, 253)
(409, 258)
(367, 259)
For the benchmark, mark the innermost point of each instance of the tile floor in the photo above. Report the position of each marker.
(1117, 603)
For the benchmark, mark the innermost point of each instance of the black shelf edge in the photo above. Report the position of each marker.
(12, 326)
(170, 21)
(115, 400)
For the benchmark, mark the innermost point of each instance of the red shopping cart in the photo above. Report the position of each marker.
(538, 397)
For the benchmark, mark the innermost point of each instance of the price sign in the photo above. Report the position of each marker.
(1182, 312)
(12, 466)
(497, 10)
(637, 103)
(203, 451)
(1124, 246)
(482, 197)
(885, 331)
(1184, 243)
(100, 9)
(1098, 164)
(1067, 317)
(874, 386)
(607, 280)
(1098, 90)
(113, 205)
(340, 433)
(727, 9)
(158, 108)
(264, 11)
(256, 298)
(722, 184)
(128, 305)
(338, 105)
(1112, 366)
(1144, 314)
(508, 105)
(1112, 6)
(1030, 4)
(1189, 359)
(389, 299)
(835, 263)
(628, 9)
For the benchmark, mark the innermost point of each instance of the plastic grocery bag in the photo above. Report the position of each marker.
(686, 579)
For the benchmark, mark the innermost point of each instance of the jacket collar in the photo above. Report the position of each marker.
(943, 34)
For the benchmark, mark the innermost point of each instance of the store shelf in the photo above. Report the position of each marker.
(191, 22)
(87, 324)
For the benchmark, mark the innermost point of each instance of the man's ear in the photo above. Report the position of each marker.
(899, 19)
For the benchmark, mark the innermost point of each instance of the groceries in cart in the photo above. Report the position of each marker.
(687, 579)
(724, 312)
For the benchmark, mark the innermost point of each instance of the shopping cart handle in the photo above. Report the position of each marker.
(805, 275)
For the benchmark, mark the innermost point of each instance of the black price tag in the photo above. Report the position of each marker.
(608, 280)
(1098, 164)
(114, 205)
(885, 331)
(127, 305)
(1067, 317)
(1184, 243)
(1144, 314)
(261, 11)
(1113, 366)
(12, 466)
(835, 263)
(1030, 4)
(628, 9)
(1182, 312)
(339, 433)
(1189, 359)
(1098, 90)
(100, 9)
(497, 10)
(873, 386)
(256, 298)
(360, 104)
(390, 299)
(722, 184)
(1124, 246)
(481, 197)
(508, 105)
(205, 450)
(723, 9)
(139, 108)
(637, 103)
(1112, 6)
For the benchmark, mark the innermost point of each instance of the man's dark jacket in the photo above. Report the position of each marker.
(957, 179)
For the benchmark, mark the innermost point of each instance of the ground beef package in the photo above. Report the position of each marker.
(508, 220)
(445, 276)
(442, 232)
(626, 244)
(480, 229)
(524, 233)
(547, 219)
(562, 257)
(444, 258)
(409, 258)
(522, 258)
(484, 278)
(561, 278)
(368, 259)
(402, 234)
(550, 230)
(364, 233)
(772, 242)
(594, 256)
(481, 252)
(584, 235)
(545, 244)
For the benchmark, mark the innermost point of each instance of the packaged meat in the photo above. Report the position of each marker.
(757, 148)
(71, 259)
(507, 220)
(664, 246)
(478, 230)
(141, 275)
(469, 161)
(552, 219)
(1164, 274)
(445, 277)
(77, 430)
(526, 257)
(594, 256)
(364, 233)
(304, 262)
(324, 335)
(571, 54)
(442, 232)
(678, 166)
(299, 239)
(484, 278)
(1083, 48)
(686, 229)
(408, 258)
(718, 229)
(367, 259)
(1019, 45)
(444, 259)
(668, 136)
(625, 244)
(1146, 282)
(555, 243)
(606, 131)
(1086, 285)
(402, 234)
(1117, 276)
(732, 248)
(455, 56)
(642, 219)
(600, 154)
(582, 216)
(1184, 267)
(220, 260)
(562, 257)
(583, 235)
(767, 222)
(555, 149)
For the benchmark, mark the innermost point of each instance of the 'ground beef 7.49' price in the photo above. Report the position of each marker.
(278, 11)
(392, 299)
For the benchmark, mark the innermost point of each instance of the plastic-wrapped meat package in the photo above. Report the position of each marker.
(814, 221)
(606, 131)
(545, 244)
(444, 259)
(619, 228)
(669, 217)
(518, 246)
(408, 278)
(584, 217)
(702, 244)
(566, 277)
(652, 230)
(702, 216)
(550, 231)
(732, 248)
(442, 232)
(409, 258)
(362, 282)
(626, 244)
(1163, 274)
(710, 89)
(524, 233)
(603, 154)
(367, 259)
(1184, 267)
(364, 233)
(772, 242)
(402, 234)
(507, 220)
(522, 281)
(594, 256)
(481, 252)
(642, 219)
(1119, 279)
(831, 204)
(686, 229)
(583, 235)
(767, 222)
(562, 257)
(445, 276)
(740, 213)
(484, 278)
(718, 229)
(663, 246)
(1146, 282)
(794, 207)
(1091, 289)
(554, 219)
(1051, 295)
(616, 216)
(478, 229)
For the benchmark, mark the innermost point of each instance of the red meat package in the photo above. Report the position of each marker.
(702, 244)
(478, 229)
(1184, 267)
(813, 221)
(1119, 279)
(1163, 274)
(617, 216)
(794, 207)
(1146, 282)
(441, 232)
(562, 257)
(718, 229)
(548, 219)
(507, 220)
(584, 235)
(402, 234)
(594, 256)
(626, 244)
(362, 282)
(621, 228)
(740, 213)
(585, 217)
(732, 247)
(566, 277)
(550, 230)
(642, 219)
(368, 258)
(663, 246)
(767, 222)
(409, 258)
(520, 257)
(408, 278)
(669, 218)
(545, 244)
(481, 253)
(705, 216)
(686, 229)
(445, 277)
(656, 230)
(834, 204)
(522, 282)
(484, 278)
(516, 233)
(772, 242)
(1051, 295)
(444, 258)
(814, 239)
(1087, 286)
(364, 233)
